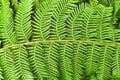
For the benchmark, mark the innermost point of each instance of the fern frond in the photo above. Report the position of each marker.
(103, 72)
(66, 59)
(82, 23)
(42, 18)
(74, 23)
(92, 59)
(59, 15)
(52, 59)
(78, 60)
(62, 40)
(116, 63)
(89, 24)
(37, 61)
(104, 30)
(7, 34)
(7, 64)
(21, 61)
(23, 29)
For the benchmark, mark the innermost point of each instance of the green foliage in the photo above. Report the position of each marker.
(6, 24)
(59, 40)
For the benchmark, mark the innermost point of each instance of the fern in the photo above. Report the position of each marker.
(37, 61)
(23, 27)
(59, 40)
(21, 62)
(7, 64)
(116, 63)
(6, 24)
(41, 23)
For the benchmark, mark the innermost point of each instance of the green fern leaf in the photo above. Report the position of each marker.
(7, 35)
(36, 52)
(92, 59)
(116, 63)
(52, 59)
(22, 66)
(41, 22)
(59, 40)
(105, 63)
(7, 64)
(78, 60)
(23, 29)
(59, 16)
(105, 13)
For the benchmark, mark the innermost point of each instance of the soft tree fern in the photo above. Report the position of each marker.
(59, 40)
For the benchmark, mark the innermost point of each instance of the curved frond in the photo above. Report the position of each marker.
(52, 59)
(7, 64)
(23, 27)
(42, 19)
(36, 52)
(7, 35)
(104, 30)
(116, 63)
(105, 62)
(73, 24)
(92, 59)
(21, 61)
(59, 16)
(78, 60)
(66, 59)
